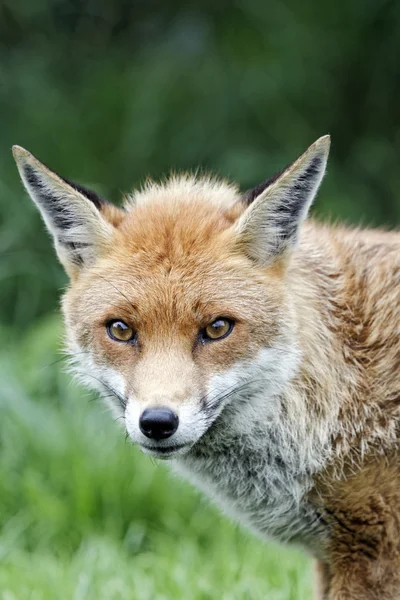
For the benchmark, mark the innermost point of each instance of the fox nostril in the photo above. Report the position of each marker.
(158, 423)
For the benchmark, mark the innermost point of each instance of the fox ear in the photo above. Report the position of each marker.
(269, 227)
(72, 213)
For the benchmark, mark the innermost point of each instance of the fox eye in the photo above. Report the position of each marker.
(120, 331)
(217, 330)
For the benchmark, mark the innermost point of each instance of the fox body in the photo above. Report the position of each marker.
(258, 351)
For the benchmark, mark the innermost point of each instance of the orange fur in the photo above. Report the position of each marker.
(177, 260)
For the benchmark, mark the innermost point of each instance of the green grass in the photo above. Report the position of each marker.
(84, 515)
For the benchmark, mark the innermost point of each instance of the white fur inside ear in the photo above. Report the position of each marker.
(270, 225)
(73, 220)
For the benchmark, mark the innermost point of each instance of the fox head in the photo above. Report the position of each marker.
(178, 305)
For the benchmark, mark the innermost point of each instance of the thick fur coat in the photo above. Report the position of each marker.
(290, 420)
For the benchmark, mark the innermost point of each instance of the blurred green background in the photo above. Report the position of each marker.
(106, 93)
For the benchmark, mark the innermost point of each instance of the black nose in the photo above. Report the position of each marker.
(158, 423)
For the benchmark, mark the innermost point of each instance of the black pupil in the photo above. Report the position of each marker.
(218, 325)
(121, 326)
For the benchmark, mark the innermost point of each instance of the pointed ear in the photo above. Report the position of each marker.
(269, 227)
(72, 214)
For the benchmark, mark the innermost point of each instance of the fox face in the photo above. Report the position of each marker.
(179, 303)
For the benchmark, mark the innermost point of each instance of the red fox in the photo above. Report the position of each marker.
(256, 350)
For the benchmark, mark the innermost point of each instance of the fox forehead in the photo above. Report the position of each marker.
(179, 218)
(175, 262)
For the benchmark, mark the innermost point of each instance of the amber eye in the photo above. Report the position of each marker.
(120, 331)
(218, 329)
